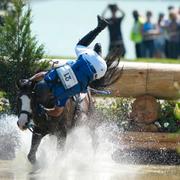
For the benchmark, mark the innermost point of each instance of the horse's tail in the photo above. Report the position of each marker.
(113, 71)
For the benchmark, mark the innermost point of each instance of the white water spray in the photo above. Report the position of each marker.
(87, 154)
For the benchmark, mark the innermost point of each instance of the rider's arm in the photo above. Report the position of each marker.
(55, 112)
(121, 11)
(37, 77)
(58, 108)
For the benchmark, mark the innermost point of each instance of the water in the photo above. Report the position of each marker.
(87, 154)
(59, 24)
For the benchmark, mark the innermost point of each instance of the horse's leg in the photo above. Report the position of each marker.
(83, 108)
(35, 142)
(61, 136)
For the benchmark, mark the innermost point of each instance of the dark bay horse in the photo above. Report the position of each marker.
(76, 108)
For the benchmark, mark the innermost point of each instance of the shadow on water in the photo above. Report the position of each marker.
(146, 156)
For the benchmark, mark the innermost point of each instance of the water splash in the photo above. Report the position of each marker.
(86, 154)
(8, 137)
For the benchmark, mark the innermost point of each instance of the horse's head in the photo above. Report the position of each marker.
(24, 109)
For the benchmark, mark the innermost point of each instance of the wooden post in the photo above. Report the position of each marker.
(153, 141)
(145, 109)
(155, 79)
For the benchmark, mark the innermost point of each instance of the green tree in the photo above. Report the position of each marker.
(4, 4)
(19, 49)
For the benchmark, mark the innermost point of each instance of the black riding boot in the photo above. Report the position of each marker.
(88, 38)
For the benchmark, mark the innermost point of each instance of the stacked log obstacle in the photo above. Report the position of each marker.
(147, 82)
(147, 140)
(155, 79)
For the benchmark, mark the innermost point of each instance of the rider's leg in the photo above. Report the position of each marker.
(87, 39)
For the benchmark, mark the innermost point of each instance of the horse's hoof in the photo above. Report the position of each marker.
(31, 158)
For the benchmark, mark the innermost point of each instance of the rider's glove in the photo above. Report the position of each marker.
(41, 112)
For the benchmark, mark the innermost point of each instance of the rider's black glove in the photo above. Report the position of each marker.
(41, 112)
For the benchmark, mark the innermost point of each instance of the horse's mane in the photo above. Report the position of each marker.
(113, 71)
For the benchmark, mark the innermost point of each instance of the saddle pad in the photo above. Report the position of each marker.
(67, 76)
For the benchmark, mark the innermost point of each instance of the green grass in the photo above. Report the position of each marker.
(169, 61)
(2, 94)
(59, 57)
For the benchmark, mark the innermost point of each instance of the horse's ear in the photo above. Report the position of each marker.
(18, 84)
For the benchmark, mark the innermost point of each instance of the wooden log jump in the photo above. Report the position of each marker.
(147, 82)
(155, 79)
(151, 137)
(147, 140)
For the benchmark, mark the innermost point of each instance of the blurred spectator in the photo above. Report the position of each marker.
(136, 33)
(114, 27)
(173, 29)
(159, 41)
(170, 8)
(148, 31)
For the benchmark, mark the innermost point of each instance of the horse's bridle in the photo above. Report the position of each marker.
(29, 125)
(29, 115)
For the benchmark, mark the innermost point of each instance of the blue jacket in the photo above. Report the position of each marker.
(84, 72)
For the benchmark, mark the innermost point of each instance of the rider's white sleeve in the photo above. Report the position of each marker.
(79, 49)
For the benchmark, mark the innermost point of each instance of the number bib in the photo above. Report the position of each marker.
(67, 76)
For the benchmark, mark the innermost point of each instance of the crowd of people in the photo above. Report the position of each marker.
(152, 40)
(160, 39)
